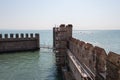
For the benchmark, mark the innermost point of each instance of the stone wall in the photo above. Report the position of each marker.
(60, 37)
(94, 59)
(106, 66)
(113, 66)
(18, 42)
(89, 56)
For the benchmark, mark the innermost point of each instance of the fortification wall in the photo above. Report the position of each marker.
(113, 66)
(93, 57)
(60, 36)
(105, 66)
(18, 42)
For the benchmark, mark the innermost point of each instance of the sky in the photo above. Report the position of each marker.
(45, 14)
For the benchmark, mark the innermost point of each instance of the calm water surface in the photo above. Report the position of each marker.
(37, 65)
(107, 39)
(40, 65)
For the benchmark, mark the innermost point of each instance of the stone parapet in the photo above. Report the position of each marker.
(94, 59)
(18, 42)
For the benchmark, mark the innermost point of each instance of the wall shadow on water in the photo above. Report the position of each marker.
(47, 59)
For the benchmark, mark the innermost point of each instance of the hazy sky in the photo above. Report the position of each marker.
(44, 14)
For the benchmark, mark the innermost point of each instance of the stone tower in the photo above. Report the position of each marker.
(61, 35)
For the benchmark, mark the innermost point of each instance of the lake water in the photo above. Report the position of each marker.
(40, 65)
(107, 39)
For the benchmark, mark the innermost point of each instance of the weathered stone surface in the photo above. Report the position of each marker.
(0, 36)
(26, 35)
(17, 35)
(69, 31)
(6, 35)
(94, 60)
(114, 58)
(11, 35)
(22, 35)
(61, 35)
(62, 27)
(31, 35)
(100, 59)
(88, 56)
(18, 44)
(113, 66)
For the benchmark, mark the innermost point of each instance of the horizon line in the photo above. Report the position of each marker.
(52, 28)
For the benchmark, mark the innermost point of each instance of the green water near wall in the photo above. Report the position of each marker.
(37, 65)
(40, 65)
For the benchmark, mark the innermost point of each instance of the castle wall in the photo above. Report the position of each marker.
(74, 66)
(89, 56)
(113, 66)
(18, 42)
(94, 59)
(60, 45)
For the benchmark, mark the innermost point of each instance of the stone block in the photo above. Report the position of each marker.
(31, 35)
(100, 59)
(11, 35)
(114, 58)
(113, 66)
(0, 36)
(26, 35)
(6, 35)
(22, 35)
(17, 35)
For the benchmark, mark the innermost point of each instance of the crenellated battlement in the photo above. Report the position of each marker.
(19, 42)
(83, 59)
(6, 36)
